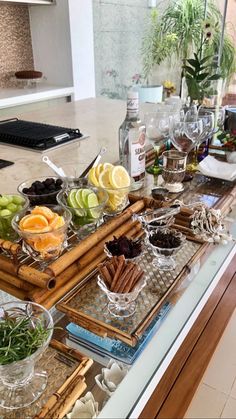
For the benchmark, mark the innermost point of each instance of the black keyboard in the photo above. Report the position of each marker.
(34, 135)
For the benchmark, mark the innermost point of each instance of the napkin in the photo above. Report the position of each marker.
(215, 168)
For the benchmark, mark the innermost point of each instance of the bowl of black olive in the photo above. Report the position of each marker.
(165, 244)
(42, 190)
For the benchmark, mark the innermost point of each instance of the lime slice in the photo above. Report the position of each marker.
(79, 199)
(84, 196)
(71, 199)
(92, 202)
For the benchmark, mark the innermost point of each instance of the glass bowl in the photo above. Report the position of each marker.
(84, 220)
(73, 171)
(118, 200)
(164, 259)
(122, 305)
(7, 232)
(134, 259)
(48, 245)
(154, 219)
(43, 199)
(20, 382)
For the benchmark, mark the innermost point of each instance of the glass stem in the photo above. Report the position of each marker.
(157, 150)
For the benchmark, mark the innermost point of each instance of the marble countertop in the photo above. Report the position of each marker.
(21, 96)
(100, 118)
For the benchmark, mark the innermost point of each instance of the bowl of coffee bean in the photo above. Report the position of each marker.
(41, 191)
(165, 244)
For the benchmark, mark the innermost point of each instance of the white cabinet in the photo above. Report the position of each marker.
(30, 1)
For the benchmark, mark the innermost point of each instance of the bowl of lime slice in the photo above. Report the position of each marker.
(86, 205)
(10, 205)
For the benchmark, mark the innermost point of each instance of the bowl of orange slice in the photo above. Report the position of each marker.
(43, 231)
(116, 182)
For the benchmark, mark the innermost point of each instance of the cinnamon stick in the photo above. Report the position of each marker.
(121, 264)
(125, 278)
(59, 265)
(105, 274)
(15, 281)
(33, 276)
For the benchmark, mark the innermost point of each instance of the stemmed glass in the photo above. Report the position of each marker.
(157, 132)
(185, 136)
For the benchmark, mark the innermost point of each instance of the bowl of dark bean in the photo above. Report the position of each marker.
(131, 249)
(41, 191)
(165, 244)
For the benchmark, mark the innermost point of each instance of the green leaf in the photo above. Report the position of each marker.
(189, 70)
(202, 76)
(196, 57)
(205, 59)
(193, 63)
(214, 77)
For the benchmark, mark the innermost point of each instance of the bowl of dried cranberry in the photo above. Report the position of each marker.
(42, 190)
(131, 249)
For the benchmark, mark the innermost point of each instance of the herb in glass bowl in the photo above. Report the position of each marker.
(20, 338)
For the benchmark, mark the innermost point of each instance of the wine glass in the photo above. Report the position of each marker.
(157, 132)
(185, 136)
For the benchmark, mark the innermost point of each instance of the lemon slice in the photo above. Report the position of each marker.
(92, 177)
(98, 170)
(107, 165)
(104, 178)
(119, 177)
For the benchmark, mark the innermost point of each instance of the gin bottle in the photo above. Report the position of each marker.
(132, 142)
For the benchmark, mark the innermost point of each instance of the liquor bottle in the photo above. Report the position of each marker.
(132, 142)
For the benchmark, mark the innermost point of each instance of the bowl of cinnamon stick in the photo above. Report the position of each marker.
(121, 281)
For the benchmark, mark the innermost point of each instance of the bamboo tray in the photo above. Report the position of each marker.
(21, 277)
(66, 370)
(87, 305)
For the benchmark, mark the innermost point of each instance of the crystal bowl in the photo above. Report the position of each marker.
(22, 383)
(6, 230)
(48, 245)
(150, 219)
(47, 198)
(84, 220)
(165, 260)
(134, 259)
(122, 304)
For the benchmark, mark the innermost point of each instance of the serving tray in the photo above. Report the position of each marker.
(66, 369)
(87, 305)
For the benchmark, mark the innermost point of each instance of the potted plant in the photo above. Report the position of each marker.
(179, 32)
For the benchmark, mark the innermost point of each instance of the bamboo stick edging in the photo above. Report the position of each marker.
(11, 289)
(15, 281)
(59, 265)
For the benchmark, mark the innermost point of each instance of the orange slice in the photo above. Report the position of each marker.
(34, 222)
(47, 242)
(46, 212)
(57, 222)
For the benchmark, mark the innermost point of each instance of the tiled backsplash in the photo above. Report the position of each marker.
(15, 42)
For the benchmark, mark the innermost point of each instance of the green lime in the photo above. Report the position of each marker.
(92, 201)
(78, 198)
(71, 200)
(84, 196)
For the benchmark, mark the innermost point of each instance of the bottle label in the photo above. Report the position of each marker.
(132, 107)
(137, 152)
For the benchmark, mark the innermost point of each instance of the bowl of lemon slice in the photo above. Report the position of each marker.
(116, 181)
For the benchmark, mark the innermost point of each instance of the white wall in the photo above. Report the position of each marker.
(50, 31)
(82, 46)
(62, 40)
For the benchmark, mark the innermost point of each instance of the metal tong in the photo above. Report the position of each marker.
(162, 213)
